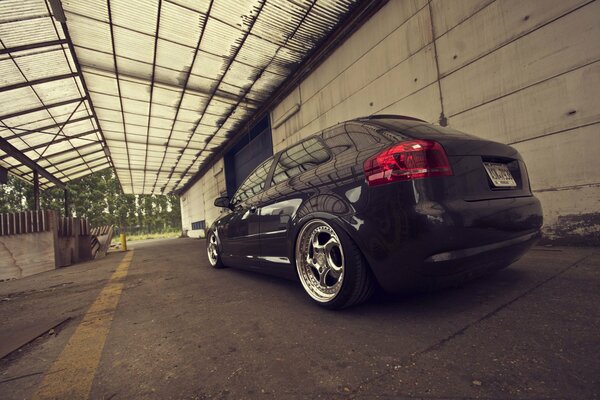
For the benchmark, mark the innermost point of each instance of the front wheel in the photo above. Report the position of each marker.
(212, 250)
(330, 266)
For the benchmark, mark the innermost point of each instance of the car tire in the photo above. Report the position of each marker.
(212, 250)
(330, 266)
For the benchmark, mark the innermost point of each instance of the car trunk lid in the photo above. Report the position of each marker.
(482, 169)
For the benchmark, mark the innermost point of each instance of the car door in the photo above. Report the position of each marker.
(241, 246)
(282, 200)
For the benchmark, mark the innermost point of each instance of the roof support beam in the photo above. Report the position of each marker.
(170, 86)
(74, 149)
(61, 129)
(25, 132)
(57, 11)
(42, 145)
(72, 167)
(85, 89)
(160, 171)
(38, 82)
(23, 159)
(81, 174)
(3, 175)
(152, 144)
(362, 12)
(33, 46)
(187, 78)
(112, 39)
(42, 108)
(241, 99)
(152, 89)
(56, 164)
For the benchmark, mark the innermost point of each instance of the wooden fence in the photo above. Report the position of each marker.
(67, 226)
(101, 238)
(101, 230)
(24, 222)
(38, 241)
(19, 223)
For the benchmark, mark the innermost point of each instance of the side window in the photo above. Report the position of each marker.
(300, 158)
(254, 183)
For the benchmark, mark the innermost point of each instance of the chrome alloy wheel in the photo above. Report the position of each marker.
(320, 260)
(212, 249)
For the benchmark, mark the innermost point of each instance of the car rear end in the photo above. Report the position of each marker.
(443, 206)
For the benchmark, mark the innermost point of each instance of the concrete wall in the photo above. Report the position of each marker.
(522, 72)
(197, 202)
(26, 254)
(519, 72)
(40, 241)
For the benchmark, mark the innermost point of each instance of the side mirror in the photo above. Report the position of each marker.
(222, 202)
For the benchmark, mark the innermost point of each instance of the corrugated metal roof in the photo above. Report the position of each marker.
(170, 81)
(44, 112)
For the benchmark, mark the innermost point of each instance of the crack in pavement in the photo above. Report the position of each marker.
(439, 344)
(490, 314)
(23, 376)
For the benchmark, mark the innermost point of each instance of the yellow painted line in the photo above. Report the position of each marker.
(72, 373)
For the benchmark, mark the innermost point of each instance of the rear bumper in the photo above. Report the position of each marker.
(449, 268)
(453, 267)
(440, 258)
(432, 244)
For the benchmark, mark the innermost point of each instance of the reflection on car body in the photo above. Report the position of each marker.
(384, 201)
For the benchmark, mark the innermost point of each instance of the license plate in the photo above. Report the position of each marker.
(499, 174)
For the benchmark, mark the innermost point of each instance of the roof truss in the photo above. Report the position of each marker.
(47, 114)
(164, 88)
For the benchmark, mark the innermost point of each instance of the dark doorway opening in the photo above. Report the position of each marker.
(252, 149)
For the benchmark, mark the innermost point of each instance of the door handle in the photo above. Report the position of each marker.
(252, 209)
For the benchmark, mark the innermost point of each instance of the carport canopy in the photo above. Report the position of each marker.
(155, 89)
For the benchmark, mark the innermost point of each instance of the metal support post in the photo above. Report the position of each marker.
(67, 205)
(36, 190)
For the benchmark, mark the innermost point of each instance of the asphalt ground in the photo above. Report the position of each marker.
(157, 322)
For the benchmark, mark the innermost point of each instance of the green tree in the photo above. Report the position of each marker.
(53, 199)
(99, 198)
(16, 195)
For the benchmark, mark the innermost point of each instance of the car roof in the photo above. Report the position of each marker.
(388, 116)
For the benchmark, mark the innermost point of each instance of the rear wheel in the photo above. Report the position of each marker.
(330, 266)
(212, 250)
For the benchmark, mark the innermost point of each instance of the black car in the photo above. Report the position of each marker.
(384, 201)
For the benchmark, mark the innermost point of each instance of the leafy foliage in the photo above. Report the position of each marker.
(99, 198)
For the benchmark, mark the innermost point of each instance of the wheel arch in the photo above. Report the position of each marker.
(214, 229)
(359, 281)
(335, 220)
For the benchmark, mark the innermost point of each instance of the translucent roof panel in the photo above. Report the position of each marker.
(171, 80)
(151, 88)
(46, 118)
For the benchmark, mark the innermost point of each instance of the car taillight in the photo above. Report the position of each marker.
(405, 161)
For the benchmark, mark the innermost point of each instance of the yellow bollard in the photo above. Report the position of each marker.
(123, 242)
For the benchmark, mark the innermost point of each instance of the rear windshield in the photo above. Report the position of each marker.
(420, 129)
